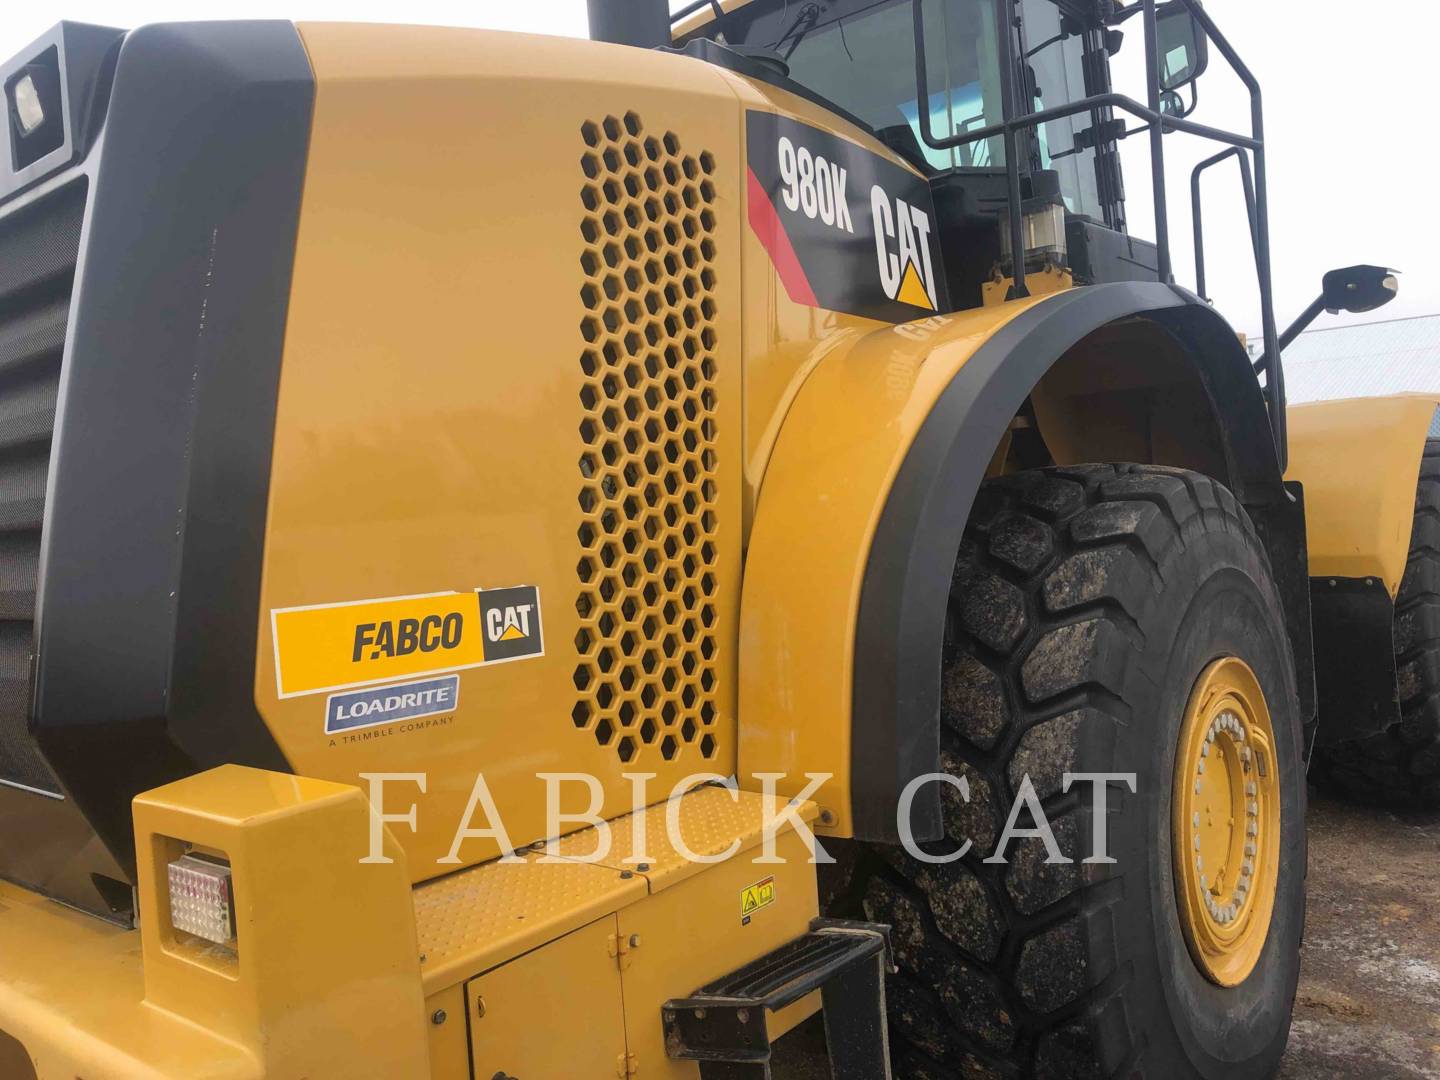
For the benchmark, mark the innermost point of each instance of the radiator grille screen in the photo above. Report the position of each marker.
(645, 673)
(38, 249)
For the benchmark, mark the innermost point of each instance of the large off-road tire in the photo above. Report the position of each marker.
(1401, 767)
(1086, 604)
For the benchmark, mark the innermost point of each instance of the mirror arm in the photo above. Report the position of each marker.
(1309, 315)
(1296, 328)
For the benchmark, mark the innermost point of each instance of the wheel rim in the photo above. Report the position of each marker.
(1226, 822)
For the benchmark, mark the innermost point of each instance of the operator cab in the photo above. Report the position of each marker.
(858, 58)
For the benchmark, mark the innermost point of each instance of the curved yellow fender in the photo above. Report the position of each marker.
(1359, 460)
(840, 447)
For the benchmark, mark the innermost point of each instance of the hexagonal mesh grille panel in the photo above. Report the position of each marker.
(646, 672)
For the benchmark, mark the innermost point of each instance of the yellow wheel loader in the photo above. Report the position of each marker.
(531, 559)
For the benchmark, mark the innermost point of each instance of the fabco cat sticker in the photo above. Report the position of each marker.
(325, 647)
(846, 229)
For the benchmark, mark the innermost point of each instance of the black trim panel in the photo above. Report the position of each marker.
(150, 575)
(895, 715)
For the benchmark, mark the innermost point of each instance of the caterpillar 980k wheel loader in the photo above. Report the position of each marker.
(473, 504)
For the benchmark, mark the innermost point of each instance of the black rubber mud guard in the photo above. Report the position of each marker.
(1355, 670)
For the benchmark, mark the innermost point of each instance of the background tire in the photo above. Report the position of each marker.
(1401, 767)
(1085, 604)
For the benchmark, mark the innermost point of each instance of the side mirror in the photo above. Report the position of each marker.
(1182, 47)
(1353, 289)
(1358, 288)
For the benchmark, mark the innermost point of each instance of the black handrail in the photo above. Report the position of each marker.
(1270, 362)
(1159, 123)
(1157, 143)
(1010, 70)
(1195, 215)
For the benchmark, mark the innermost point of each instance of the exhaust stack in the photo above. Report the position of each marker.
(642, 23)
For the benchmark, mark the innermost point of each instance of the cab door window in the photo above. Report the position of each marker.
(1055, 54)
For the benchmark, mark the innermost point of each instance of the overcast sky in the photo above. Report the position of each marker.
(1350, 105)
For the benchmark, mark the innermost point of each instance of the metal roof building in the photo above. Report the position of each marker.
(1365, 360)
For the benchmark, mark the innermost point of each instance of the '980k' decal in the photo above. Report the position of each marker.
(846, 229)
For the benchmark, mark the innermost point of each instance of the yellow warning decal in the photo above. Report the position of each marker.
(327, 647)
(755, 897)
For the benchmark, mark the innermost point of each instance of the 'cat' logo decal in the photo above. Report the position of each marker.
(902, 249)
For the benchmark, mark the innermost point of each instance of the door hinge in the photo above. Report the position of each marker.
(626, 1066)
(619, 946)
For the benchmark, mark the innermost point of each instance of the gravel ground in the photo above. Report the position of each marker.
(1369, 1000)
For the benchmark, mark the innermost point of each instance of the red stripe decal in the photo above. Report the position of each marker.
(766, 223)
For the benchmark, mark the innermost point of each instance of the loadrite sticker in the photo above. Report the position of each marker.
(847, 229)
(757, 896)
(387, 704)
(328, 647)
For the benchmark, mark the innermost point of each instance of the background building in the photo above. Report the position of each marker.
(1365, 360)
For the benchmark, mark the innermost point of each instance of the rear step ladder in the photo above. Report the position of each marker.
(723, 1025)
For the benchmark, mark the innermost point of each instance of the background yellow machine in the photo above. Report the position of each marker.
(1370, 468)
(765, 412)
